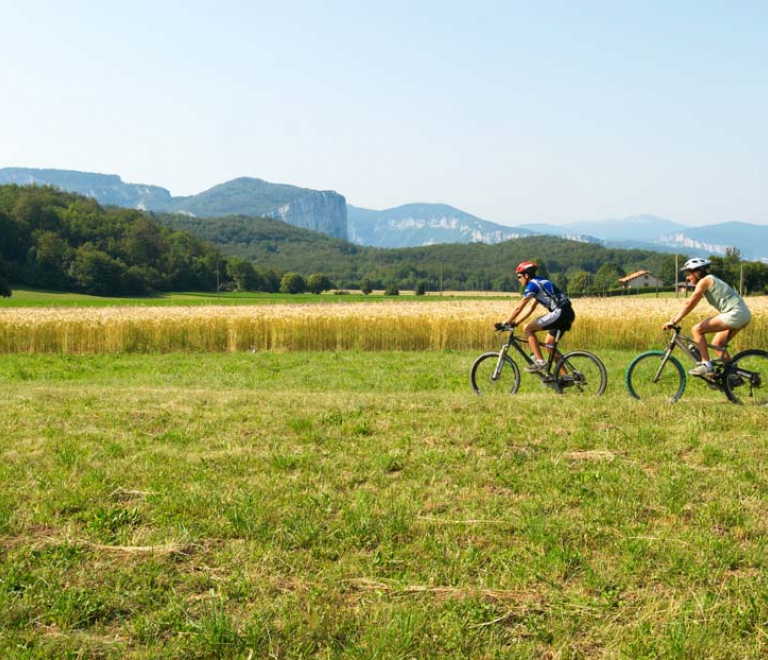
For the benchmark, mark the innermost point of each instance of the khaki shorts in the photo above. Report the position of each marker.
(736, 319)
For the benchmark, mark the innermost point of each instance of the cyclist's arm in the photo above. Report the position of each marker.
(517, 311)
(696, 296)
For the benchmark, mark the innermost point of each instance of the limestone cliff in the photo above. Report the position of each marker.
(319, 210)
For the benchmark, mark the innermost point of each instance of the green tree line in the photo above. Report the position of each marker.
(580, 268)
(64, 241)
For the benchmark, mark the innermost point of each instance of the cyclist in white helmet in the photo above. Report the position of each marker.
(733, 312)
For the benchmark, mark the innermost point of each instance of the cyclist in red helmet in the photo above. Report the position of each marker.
(540, 291)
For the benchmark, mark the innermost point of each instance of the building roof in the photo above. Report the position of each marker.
(632, 276)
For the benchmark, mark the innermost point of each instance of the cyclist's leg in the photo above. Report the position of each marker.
(700, 331)
(721, 339)
(533, 341)
(551, 322)
(561, 325)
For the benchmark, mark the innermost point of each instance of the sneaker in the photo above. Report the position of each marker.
(536, 367)
(700, 369)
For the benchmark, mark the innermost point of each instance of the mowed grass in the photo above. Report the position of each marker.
(31, 298)
(369, 505)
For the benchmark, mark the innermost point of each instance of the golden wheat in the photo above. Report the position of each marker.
(614, 323)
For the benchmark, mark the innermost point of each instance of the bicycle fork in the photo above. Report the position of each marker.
(499, 363)
(662, 364)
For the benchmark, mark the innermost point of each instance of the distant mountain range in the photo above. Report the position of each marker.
(414, 225)
(410, 225)
(648, 232)
(324, 211)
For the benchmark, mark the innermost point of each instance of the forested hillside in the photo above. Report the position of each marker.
(65, 241)
(460, 266)
(578, 267)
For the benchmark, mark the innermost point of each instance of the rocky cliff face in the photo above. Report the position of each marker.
(107, 189)
(322, 211)
(424, 224)
(682, 240)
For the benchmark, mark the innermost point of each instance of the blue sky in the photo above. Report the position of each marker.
(517, 112)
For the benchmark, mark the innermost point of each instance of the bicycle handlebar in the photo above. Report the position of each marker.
(502, 327)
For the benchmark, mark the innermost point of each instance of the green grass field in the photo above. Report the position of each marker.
(41, 298)
(369, 505)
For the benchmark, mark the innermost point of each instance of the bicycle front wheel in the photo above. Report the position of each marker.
(581, 373)
(489, 381)
(745, 380)
(652, 378)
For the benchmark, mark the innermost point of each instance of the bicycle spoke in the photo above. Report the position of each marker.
(748, 378)
(649, 380)
(491, 381)
(584, 374)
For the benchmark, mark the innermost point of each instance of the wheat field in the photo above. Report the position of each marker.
(610, 323)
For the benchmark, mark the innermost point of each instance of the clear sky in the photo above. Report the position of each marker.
(515, 111)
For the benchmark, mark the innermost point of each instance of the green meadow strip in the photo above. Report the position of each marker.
(354, 504)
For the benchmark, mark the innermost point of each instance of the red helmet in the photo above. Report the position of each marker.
(527, 267)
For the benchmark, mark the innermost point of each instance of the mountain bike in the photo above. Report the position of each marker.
(659, 376)
(575, 373)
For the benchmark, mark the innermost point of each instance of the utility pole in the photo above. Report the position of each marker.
(677, 274)
(741, 278)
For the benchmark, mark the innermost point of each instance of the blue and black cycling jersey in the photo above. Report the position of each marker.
(546, 294)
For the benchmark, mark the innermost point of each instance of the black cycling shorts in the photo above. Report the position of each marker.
(559, 319)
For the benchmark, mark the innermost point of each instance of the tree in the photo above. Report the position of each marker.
(292, 283)
(667, 273)
(270, 282)
(5, 289)
(243, 274)
(607, 277)
(366, 286)
(95, 272)
(49, 257)
(541, 270)
(579, 283)
(421, 288)
(143, 242)
(392, 290)
(317, 283)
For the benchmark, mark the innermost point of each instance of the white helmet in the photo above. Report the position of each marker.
(695, 264)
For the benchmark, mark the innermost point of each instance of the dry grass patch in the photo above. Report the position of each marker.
(611, 323)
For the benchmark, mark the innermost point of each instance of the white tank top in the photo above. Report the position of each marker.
(723, 297)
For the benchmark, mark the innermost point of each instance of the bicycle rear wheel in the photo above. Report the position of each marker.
(506, 381)
(584, 374)
(650, 378)
(745, 379)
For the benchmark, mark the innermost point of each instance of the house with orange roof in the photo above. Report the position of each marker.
(640, 279)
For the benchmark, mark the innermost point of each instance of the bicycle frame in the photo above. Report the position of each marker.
(518, 342)
(681, 341)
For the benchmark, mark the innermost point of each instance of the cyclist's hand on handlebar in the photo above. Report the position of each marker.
(668, 325)
(504, 326)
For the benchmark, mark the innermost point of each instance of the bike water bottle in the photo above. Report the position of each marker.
(695, 350)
